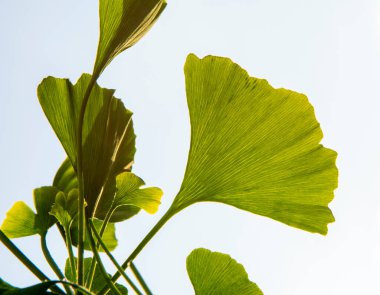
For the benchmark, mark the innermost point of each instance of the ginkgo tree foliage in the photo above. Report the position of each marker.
(253, 147)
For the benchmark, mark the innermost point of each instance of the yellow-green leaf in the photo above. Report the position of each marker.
(20, 221)
(255, 147)
(214, 273)
(108, 137)
(122, 24)
(130, 196)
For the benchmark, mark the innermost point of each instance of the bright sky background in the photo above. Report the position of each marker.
(327, 49)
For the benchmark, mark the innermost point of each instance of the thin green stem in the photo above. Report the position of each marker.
(81, 198)
(90, 277)
(140, 278)
(69, 246)
(49, 258)
(109, 282)
(52, 263)
(141, 246)
(121, 271)
(26, 261)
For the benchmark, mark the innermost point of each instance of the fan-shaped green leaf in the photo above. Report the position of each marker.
(108, 137)
(20, 221)
(213, 273)
(255, 147)
(122, 24)
(130, 195)
(98, 281)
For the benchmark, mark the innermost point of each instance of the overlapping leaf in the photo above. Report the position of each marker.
(255, 147)
(214, 273)
(66, 179)
(130, 197)
(44, 198)
(108, 137)
(122, 24)
(21, 221)
(109, 236)
(65, 208)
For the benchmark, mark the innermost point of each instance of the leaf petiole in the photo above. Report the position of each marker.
(140, 279)
(121, 271)
(81, 199)
(52, 263)
(170, 213)
(90, 277)
(71, 253)
(108, 280)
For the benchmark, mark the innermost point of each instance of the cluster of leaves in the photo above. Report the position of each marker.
(253, 147)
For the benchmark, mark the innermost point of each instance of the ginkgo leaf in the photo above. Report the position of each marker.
(108, 237)
(214, 273)
(255, 147)
(130, 195)
(20, 221)
(108, 137)
(122, 24)
(66, 179)
(98, 282)
(65, 208)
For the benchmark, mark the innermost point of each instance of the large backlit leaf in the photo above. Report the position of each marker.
(122, 24)
(98, 281)
(130, 196)
(20, 221)
(108, 137)
(255, 147)
(213, 273)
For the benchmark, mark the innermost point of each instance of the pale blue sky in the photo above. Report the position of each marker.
(327, 49)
